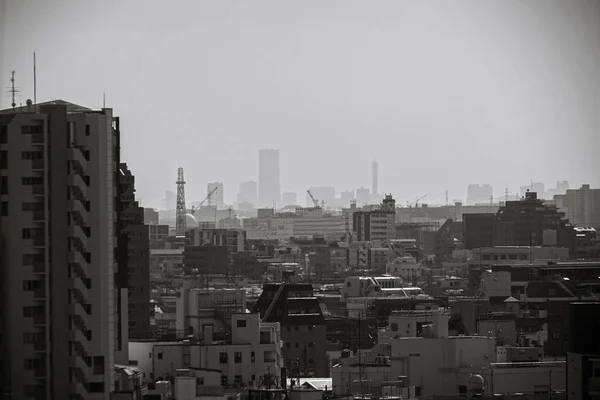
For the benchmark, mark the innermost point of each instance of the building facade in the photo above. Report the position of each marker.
(269, 185)
(58, 262)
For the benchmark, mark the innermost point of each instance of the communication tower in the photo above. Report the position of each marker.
(180, 215)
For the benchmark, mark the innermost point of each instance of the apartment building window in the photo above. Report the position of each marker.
(223, 380)
(96, 387)
(4, 185)
(32, 206)
(98, 365)
(32, 180)
(241, 323)
(4, 209)
(32, 155)
(87, 130)
(31, 285)
(237, 379)
(160, 356)
(200, 381)
(3, 159)
(237, 357)
(223, 358)
(32, 233)
(30, 259)
(32, 129)
(3, 134)
(288, 345)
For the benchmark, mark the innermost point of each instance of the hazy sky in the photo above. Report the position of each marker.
(441, 93)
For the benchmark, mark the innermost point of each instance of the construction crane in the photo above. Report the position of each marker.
(415, 202)
(315, 201)
(208, 197)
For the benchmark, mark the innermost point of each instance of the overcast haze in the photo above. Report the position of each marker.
(441, 93)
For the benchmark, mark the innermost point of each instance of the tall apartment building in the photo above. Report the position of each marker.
(133, 254)
(248, 193)
(269, 185)
(57, 258)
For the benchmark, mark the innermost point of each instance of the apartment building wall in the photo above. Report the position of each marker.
(135, 253)
(58, 254)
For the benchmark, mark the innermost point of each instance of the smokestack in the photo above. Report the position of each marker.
(375, 172)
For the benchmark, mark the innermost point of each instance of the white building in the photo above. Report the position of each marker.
(253, 352)
(405, 267)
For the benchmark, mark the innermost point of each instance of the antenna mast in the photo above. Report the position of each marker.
(12, 90)
(180, 213)
(34, 81)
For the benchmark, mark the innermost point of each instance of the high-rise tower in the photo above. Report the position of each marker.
(375, 177)
(180, 212)
(269, 189)
(58, 173)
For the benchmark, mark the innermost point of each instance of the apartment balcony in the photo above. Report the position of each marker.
(38, 216)
(40, 347)
(38, 165)
(76, 257)
(39, 294)
(38, 190)
(76, 231)
(594, 385)
(39, 242)
(77, 180)
(38, 138)
(75, 154)
(39, 268)
(39, 320)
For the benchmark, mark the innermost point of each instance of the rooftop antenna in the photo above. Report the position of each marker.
(12, 89)
(34, 81)
(103, 100)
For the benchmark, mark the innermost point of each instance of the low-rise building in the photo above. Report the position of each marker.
(252, 352)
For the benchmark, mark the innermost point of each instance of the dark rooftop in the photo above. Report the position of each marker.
(71, 107)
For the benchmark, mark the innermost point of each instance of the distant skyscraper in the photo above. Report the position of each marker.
(375, 172)
(479, 193)
(289, 199)
(60, 326)
(269, 190)
(217, 198)
(170, 200)
(248, 193)
(362, 196)
(325, 194)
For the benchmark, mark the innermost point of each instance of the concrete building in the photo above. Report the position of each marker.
(218, 197)
(583, 358)
(252, 353)
(248, 193)
(531, 222)
(133, 254)
(199, 307)
(379, 224)
(151, 216)
(269, 184)
(303, 329)
(581, 206)
(60, 332)
(405, 267)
